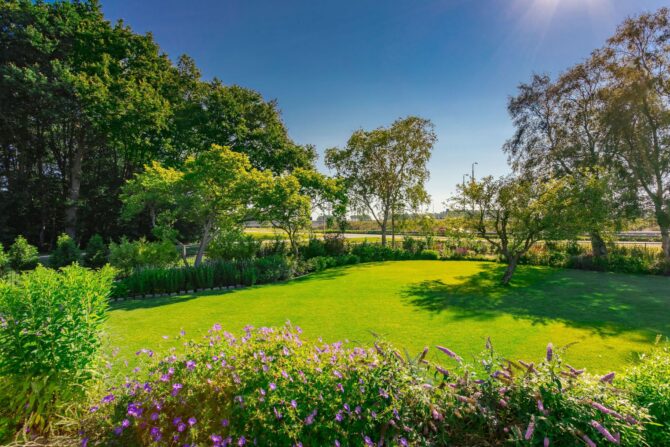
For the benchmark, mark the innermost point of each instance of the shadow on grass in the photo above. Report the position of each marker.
(148, 303)
(606, 303)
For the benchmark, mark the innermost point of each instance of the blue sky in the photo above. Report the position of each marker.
(336, 66)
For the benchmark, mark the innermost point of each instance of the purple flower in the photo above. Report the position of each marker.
(337, 374)
(339, 416)
(546, 442)
(294, 404)
(225, 422)
(403, 442)
(125, 423)
(588, 441)
(154, 416)
(272, 386)
(108, 398)
(190, 365)
(241, 441)
(310, 419)
(530, 429)
(192, 421)
(603, 431)
(93, 409)
(181, 427)
(442, 370)
(176, 387)
(84, 442)
(216, 327)
(134, 410)
(450, 353)
(368, 441)
(277, 413)
(606, 410)
(383, 393)
(216, 439)
(607, 378)
(550, 352)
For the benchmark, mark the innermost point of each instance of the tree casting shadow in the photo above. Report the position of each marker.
(605, 303)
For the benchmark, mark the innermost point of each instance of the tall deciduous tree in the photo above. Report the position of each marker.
(513, 214)
(386, 167)
(637, 59)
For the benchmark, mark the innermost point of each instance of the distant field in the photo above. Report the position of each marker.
(608, 317)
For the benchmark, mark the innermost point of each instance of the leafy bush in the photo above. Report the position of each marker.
(527, 404)
(22, 255)
(649, 386)
(368, 252)
(429, 255)
(67, 252)
(334, 244)
(233, 244)
(96, 252)
(127, 256)
(50, 324)
(314, 248)
(4, 262)
(413, 245)
(267, 388)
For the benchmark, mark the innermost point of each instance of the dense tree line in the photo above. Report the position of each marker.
(85, 104)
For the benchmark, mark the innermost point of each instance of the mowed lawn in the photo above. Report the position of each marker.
(606, 318)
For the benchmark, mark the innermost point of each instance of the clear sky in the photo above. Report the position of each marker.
(339, 65)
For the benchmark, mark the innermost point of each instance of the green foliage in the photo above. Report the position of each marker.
(22, 255)
(232, 243)
(4, 261)
(50, 323)
(127, 256)
(548, 403)
(272, 388)
(429, 255)
(649, 388)
(67, 252)
(223, 273)
(96, 252)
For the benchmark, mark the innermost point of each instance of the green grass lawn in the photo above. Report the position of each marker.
(607, 317)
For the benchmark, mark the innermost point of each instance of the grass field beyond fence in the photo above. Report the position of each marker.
(607, 317)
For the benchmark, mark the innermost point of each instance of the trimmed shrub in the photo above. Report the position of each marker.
(66, 252)
(334, 244)
(50, 324)
(22, 255)
(96, 252)
(429, 255)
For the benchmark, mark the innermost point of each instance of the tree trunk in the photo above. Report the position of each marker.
(512, 262)
(393, 229)
(72, 205)
(665, 237)
(204, 241)
(598, 246)
(383, 228)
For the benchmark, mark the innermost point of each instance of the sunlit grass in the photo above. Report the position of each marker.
(608, 317)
